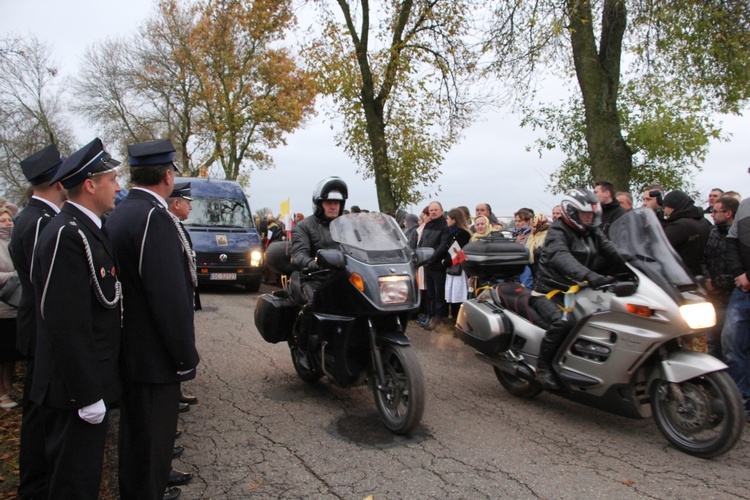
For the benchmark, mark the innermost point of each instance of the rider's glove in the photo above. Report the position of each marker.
(312, 266)
(597, 280)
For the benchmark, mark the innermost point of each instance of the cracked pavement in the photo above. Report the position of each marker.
(259, 431)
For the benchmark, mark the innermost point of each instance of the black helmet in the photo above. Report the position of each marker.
(330, 188)
(576, 201)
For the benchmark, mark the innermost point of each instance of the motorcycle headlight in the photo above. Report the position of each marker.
(700, 315)
(394, 289)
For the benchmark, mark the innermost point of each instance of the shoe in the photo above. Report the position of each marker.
(6, 402)
(430, 325)
(422, 319)
(302, 360)
(183, 407)
(178, 478)
(177, 451)
(190, 400)
(171, 493)
(547, 377)
(177, 434)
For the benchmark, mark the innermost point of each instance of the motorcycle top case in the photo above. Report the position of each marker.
(495, 257)
(275, 314)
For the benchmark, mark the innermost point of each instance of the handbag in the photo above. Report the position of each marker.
(454, 270)
(11, 292)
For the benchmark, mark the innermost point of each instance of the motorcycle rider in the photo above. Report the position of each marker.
(313, 234)
(570, 250)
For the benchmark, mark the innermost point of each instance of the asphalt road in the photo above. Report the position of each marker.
(259, 431)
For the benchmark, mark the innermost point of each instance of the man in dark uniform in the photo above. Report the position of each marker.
(38, 169)
(158, 338)
(79, 312)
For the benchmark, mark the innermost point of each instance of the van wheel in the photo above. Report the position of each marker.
(254, 285)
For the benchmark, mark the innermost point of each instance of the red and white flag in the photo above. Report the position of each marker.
(457, 255)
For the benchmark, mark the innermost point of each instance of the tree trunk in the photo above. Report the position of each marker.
(376, 134)
(598, 74)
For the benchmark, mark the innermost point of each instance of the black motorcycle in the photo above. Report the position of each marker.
(353, 330)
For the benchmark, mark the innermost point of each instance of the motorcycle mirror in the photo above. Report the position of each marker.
(624, 288)
(331, 259)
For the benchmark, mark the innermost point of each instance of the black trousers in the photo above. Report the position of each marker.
(435, 283)
(32, 460)
(75, 453)
(148, 421)
(549, 310)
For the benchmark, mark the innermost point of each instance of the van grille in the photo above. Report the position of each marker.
(212, 259)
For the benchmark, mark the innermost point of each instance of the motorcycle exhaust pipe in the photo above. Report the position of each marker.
(515, 368)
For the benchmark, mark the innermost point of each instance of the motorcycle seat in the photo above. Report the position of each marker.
(517, 298)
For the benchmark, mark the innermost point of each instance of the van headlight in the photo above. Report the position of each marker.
(394, 289)
(255, 257)
(700, 315)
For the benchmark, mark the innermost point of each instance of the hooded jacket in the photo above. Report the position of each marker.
(687, 230)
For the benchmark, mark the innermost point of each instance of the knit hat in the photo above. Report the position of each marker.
(677, 199)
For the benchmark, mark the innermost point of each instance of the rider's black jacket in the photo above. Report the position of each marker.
(309, 236)
(567, 257)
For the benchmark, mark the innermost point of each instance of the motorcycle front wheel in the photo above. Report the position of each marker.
(401, 400)
(706, 420)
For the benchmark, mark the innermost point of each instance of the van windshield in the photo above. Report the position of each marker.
(219, 212)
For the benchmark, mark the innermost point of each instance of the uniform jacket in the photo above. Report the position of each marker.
(28, 226)
(435, 235)
(158, 336)
(568, 256)
(309, 236)
(78, 338)
(687, 232)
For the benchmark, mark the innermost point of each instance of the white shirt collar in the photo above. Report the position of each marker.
(158, 197)
(95, 218)
(51, 205)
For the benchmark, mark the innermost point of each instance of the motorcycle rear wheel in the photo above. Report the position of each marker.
(518, 386)
(710, 421)
(401, 401)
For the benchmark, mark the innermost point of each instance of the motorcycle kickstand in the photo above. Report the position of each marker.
(376, 358)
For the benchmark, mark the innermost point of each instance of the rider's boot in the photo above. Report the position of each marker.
(544, 373)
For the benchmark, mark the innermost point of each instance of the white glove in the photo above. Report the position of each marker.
(93, 414)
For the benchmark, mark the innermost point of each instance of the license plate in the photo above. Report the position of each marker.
(223, 276)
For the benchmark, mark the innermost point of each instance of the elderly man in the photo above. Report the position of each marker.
(625, 199)
(158, 347)
(435, 235)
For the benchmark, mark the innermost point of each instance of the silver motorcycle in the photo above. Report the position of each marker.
(626, 354)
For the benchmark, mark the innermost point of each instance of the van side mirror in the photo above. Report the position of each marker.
(331, 259)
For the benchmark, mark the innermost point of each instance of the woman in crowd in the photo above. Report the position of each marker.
(482, 228)
(539, 226)
(8, 353)
(456, 283)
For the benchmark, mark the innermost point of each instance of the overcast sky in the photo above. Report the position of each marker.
(491, 163)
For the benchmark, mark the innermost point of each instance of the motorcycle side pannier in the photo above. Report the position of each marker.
(495, 257)
(275, 314)
(484, 326)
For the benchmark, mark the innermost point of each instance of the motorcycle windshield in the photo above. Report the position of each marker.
(640, 239)
(371, 237)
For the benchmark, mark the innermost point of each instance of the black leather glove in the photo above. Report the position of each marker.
(312, 266)
(597, 280)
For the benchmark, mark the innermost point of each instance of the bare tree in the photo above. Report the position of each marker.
(32, 114)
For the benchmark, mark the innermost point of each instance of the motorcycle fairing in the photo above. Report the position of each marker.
(683, 365)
